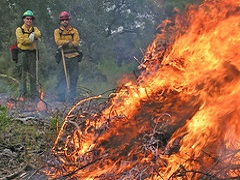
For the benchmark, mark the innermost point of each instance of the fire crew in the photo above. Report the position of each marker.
(67, 39)
(26, 36)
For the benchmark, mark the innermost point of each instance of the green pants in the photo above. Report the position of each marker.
(72, 67)
(27, 68)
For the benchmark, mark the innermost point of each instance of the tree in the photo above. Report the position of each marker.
(110, 30)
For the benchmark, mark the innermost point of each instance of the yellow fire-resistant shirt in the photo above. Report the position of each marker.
(63, 37)
(23, 42)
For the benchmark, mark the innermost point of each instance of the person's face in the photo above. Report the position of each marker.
(64, 22)
(28, 20)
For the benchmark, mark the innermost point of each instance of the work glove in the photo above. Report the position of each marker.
(31, 37)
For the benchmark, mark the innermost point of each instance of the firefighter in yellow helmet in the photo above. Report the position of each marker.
(26, 36)
(67, 39)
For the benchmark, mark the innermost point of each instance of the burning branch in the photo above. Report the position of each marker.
(179, 121)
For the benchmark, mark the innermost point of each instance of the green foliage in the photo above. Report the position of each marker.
(113, 71)
(26, 140)
(4, 120)
(103, 76)
(9, 85)
(169, 5)
(55, 121)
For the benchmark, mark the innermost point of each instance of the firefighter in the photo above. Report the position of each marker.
(67, 39)
(26, 36)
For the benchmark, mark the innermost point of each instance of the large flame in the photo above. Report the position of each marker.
(180, 120)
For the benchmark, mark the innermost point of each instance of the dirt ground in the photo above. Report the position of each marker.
(27, 133)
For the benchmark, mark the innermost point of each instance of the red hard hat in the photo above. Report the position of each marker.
(64, 15)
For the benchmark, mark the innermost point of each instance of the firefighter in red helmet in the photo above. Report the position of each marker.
(67, 39)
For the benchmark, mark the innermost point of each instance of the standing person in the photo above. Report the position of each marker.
(67, 39)
(26, 35)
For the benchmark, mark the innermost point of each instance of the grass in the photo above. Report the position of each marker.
(25, 141)
(4, 120)
(105, 76)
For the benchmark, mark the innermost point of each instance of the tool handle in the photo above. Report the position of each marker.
(65, 69)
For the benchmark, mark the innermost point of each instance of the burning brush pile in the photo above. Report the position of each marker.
(180, 120)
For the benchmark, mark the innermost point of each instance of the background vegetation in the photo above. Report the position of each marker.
(113, 33)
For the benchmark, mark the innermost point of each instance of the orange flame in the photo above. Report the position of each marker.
(41, 105)
(188, 92)
(42, 95)
(10, 105)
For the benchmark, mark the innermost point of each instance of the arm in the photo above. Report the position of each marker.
(76, 38)
(22, 39)
(58, 39)
(37, 33)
